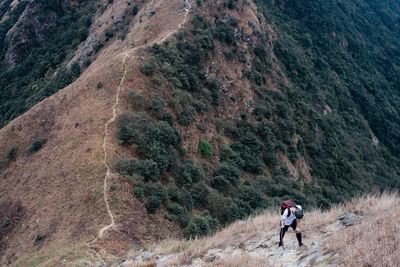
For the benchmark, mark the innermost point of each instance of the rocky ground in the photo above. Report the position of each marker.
(260, 250)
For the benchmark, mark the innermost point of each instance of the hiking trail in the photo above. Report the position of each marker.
(264, 248)
(108, 175)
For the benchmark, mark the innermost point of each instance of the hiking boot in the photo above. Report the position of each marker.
(301, 244)
(280, 244)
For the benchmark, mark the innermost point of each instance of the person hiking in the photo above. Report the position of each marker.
(291, 217)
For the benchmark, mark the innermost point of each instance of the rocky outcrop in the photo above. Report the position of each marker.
(28, 33)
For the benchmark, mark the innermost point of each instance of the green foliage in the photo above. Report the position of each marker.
(139, 192)
(135, 10)
(205, 148)
(221, 183)
(153, 203)
(65, 28)
(155, 140)
(186, 117)
(199, 194)
(200, 226)
(148, 68)
(11, 153)
(136, 100)
(148, 169)
(229, 172)
(36, 146)
(178, 213)
(187, 173)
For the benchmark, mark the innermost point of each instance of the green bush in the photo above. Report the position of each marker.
(148, 169)
(187, 174)
(230, 172)
(135, 10)
(157, 104)
(153, 203)
(185, 199)
(36, 146)
(155, 189)
(221, 184)
(11, 153)
(205, 148)
(136, 99)
(186, 117)
(178, 213)
(251, 196)
(228, 155)
(138, 192)
(200, 194)
(198, 226)
(148, 68)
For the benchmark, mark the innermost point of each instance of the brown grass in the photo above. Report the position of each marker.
(373, 242)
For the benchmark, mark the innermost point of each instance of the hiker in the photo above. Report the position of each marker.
(291, 217)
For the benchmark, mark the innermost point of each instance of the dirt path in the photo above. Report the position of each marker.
(108, 175)
(264, 248)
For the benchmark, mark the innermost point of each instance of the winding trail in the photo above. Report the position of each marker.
(108, 174)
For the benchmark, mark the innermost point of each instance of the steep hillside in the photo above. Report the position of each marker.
(52, 168)
(186, 116)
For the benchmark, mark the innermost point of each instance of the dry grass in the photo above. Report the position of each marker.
(373, 242)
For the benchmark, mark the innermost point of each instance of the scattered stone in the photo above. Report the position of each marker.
(348, 219)
(212, 255)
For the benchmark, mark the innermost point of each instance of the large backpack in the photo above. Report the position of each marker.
(286, 205)
(299, 212)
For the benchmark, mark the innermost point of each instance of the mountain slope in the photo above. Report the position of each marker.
(59, 183)
(193, 115)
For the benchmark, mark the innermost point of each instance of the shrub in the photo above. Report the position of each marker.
(228, 155)
(99, 85)
(205, 148)
(148, 68)
(157, 104)
(136, 99)
(220, 183)
(185, 199)
(11, 153)
(138, 192)
(230, 172)
(155, 189)
(169, 118)
(187, 174)
(134, 10)
(36, 146)
(148, 169)
(198, 226)
(249, 195)
(178, 213)
(127, 135)
(153, 203)
(200, 194)
(186, 117)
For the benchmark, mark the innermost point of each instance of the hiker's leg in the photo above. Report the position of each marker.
(282, 234)
(298, 236)
(298, 232)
